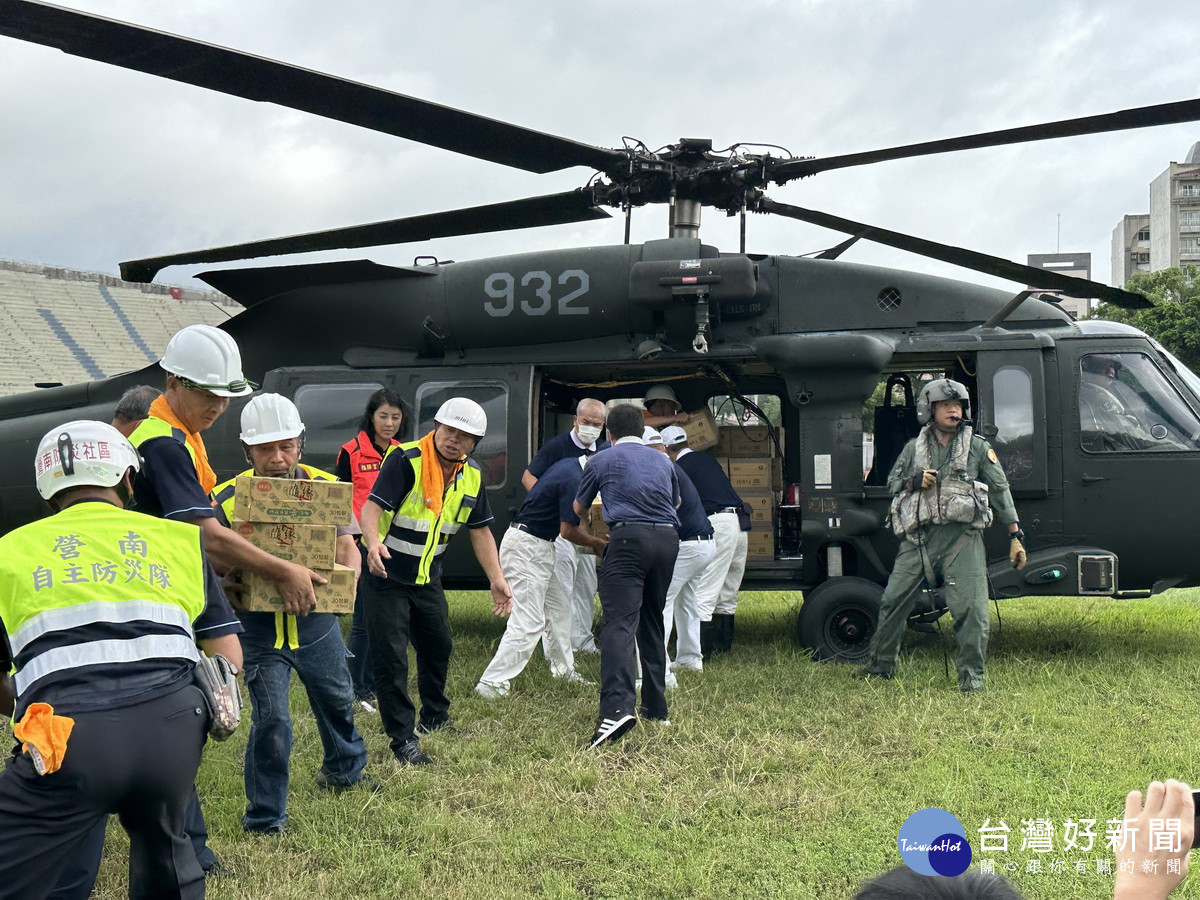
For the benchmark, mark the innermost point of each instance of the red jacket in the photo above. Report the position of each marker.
(358, 462)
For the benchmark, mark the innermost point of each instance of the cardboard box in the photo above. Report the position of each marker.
(750, 474)
(292, 500)
(776, 474)
(762, 506)
(309, 545)
(701, 430)
(760, 545)
(262, 595)
(595, 524)
(752, 441)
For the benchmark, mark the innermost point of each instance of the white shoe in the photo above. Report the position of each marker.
(695, 666)
(491, 691)
(367, 706)
(671, 683)
(588, 649)
(575, 678)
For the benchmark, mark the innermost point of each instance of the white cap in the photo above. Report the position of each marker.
(209, 359)
(270, 417)
(463, 414)
(651, 437)
(82, 453)
(673, 434)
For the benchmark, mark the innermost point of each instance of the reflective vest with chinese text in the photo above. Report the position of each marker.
(95, 585)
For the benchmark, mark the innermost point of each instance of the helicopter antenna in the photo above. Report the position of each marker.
(1007, 309)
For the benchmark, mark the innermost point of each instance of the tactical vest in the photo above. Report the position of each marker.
(955, 498)
(415, 530)
(96, 585)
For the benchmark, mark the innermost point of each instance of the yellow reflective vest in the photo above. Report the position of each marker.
(96, 585)
(414, 530)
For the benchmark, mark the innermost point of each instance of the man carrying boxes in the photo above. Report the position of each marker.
(276, 643)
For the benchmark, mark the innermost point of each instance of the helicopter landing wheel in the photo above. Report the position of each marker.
(838, 618)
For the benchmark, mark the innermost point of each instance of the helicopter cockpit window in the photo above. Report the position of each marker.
(1127, 404)
(1012, 390)
(492, 450)
(331, 415)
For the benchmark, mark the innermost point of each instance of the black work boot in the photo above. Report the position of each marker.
(723, 633)
(708, 634)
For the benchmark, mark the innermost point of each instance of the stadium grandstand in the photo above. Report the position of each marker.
(66, 326)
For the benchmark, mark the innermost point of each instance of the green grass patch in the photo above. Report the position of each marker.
(778, 777)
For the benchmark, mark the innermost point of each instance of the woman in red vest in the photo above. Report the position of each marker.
(382, 427)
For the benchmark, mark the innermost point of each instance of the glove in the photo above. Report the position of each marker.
(1016, 554)
(923, 479)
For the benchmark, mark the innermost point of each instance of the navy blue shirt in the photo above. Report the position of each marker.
(550, 502)
(636, 484)
(560, 447)
(712, 484)
(693, 521)
(166, 486)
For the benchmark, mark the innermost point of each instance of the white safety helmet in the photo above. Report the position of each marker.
(270, 417)
(463, 414)
(661, 392)
(937, 391)
(83, 453)
(208, 359)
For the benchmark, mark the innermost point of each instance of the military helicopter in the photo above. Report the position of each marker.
(1095, 422)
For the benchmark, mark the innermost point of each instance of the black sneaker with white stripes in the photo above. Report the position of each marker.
(611, 729)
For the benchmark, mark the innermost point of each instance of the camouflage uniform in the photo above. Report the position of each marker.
(965, 580)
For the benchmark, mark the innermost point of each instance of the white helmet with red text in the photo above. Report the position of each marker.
(83, 453)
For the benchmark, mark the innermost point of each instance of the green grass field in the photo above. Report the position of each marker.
(778, 777)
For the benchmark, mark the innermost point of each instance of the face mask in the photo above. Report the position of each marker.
(587, 433)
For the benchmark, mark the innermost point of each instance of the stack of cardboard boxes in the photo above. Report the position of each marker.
(756, 473)
(297, 521)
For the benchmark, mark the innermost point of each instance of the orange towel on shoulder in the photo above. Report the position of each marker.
(45, 736)
(161, 409)
(433, 483)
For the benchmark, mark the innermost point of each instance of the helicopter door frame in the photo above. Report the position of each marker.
(1012, 416)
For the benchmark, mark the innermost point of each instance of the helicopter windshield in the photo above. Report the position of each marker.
(1126, 404)
(1186, 375)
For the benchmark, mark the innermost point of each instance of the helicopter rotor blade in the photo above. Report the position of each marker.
(1140, 117)
(551, 209)
(968, 259)
(268, 81)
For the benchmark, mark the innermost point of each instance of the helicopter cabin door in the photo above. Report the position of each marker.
(1131, 447)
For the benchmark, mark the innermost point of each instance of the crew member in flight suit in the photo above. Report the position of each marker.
(946, 481)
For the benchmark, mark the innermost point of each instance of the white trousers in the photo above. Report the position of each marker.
(683, 609)
(719, 585)
(540, 610)
(576, 572)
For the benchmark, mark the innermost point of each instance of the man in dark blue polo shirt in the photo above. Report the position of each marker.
(718, 591)
(575, 571)
(541, 610)
(640, 493)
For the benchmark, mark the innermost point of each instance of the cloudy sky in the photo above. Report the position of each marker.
(98, 165)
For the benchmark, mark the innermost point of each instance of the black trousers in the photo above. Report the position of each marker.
(138, 762)
(634, 576)
(397, 614)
